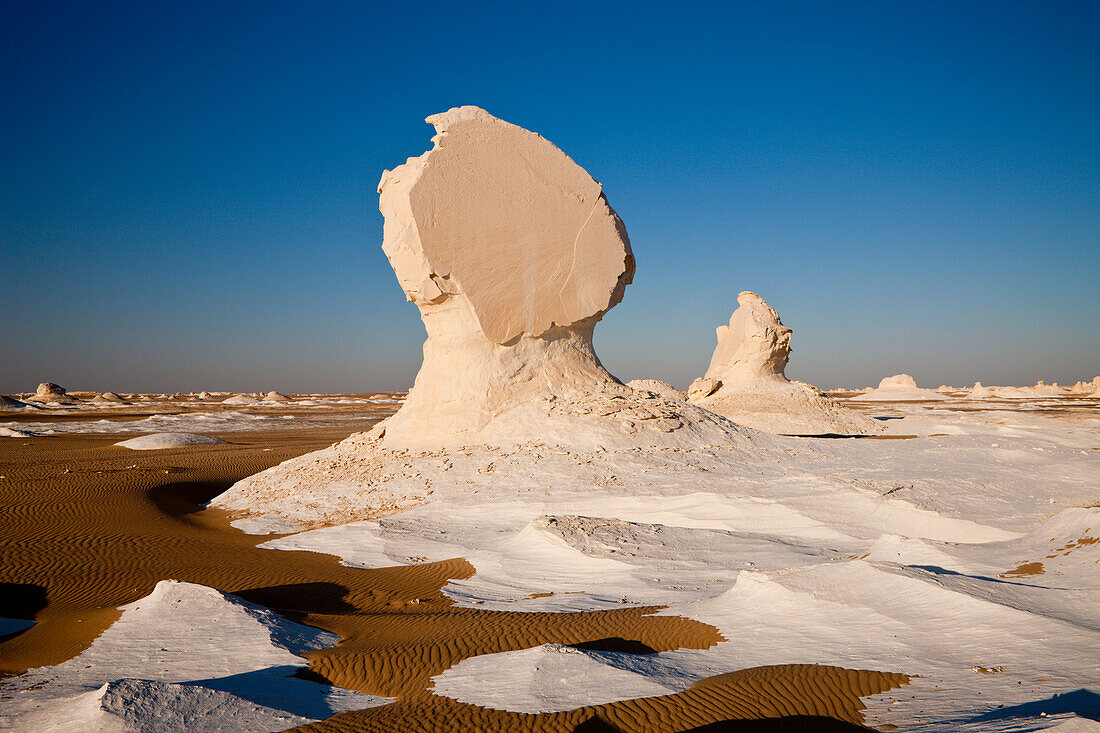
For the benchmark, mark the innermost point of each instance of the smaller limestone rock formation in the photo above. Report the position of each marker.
(241, 399)
(979, 392)
(898, 388)
(274, 396)
(745, 381)
(48, 392)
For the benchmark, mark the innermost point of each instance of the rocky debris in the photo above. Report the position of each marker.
(657, 387)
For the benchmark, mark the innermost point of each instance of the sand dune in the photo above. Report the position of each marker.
(79, 545)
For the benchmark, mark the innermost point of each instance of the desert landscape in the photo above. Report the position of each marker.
(523, 541)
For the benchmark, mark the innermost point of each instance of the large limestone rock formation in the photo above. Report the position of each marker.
(512, 254)
(745, 380)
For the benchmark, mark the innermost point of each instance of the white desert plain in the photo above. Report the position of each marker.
(523, 542)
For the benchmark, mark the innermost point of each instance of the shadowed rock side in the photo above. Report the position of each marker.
(745, 380)
(512, 254)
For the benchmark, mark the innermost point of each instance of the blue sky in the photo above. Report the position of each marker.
(187, 195)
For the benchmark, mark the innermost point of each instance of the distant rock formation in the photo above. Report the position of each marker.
(241, 399)
(12, 404)
(898, 388)
(979, 391)
(657, 387)
(746, 382)
(1088, 389)
(108, 398)
(48, 392)
(274, 396)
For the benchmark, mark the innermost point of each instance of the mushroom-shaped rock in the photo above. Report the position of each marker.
(745, 380)
(512, 254)
(50, 392)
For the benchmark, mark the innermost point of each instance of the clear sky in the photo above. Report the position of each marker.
(187, 190)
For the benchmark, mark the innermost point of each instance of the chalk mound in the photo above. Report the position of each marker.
(274, 396)
(241, 399)
(157, 441)
(546, 679)
(746, 382)
(512, 254)
(657, 387)
(108, 398)
(234, 656)
(898, 388)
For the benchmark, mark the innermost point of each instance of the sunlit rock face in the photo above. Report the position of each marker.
(745, 380)
(512, 254)
(496, 216)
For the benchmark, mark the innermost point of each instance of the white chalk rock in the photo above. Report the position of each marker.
(274, 396)
(754, 346)
(512, 255)
(745, 380)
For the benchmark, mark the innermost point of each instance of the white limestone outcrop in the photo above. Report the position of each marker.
(746, 382)
(512, 254)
